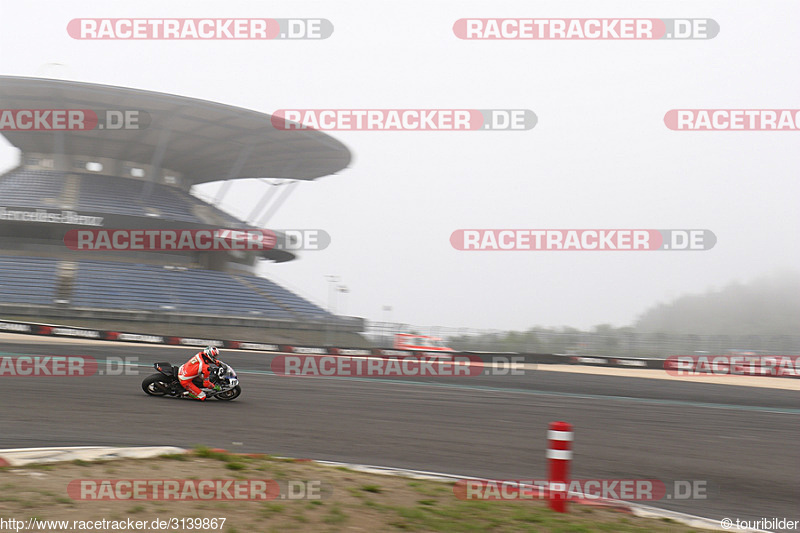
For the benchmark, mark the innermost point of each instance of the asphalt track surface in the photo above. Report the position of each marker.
(742, 441)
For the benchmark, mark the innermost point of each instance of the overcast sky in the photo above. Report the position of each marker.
(599, 157)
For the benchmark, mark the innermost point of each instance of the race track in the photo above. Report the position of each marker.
(741, 440)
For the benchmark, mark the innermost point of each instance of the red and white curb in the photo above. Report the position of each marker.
(24, 456)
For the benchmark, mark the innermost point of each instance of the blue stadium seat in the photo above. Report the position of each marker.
(109, 285)
(122, 196)
(28, 280)
(105, 194)
(31, 188)
(134, 286)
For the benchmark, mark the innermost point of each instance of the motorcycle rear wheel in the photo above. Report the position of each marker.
(150, 385)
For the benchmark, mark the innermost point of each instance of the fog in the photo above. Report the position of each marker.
(600, 156)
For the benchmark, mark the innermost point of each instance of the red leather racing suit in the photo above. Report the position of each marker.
(192, 369)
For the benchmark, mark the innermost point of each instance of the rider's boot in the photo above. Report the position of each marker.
(190, 394)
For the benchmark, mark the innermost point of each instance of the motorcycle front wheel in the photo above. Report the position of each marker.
(230, 394)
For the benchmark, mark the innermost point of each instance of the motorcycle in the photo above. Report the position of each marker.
(166, 382)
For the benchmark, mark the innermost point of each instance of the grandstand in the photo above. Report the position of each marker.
(98, 194)
(142, 179)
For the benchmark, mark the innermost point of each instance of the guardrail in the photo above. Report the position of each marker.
(766, 365)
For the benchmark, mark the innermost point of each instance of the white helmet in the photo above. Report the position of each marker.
(210, 355)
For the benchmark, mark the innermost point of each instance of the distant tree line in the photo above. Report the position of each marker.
(761, 316)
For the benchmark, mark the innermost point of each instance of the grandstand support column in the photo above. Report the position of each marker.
(273, 188)
(117, 168)
(155, 162)
(241, 159)
(277, 203)
(61, 161)
(265, 199)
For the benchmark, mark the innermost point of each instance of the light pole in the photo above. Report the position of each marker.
(332, 281)
(344, 290)
(387, 314)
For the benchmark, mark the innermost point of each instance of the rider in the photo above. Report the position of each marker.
(198, 366)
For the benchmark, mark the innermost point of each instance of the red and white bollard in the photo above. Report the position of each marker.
(559, 454)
